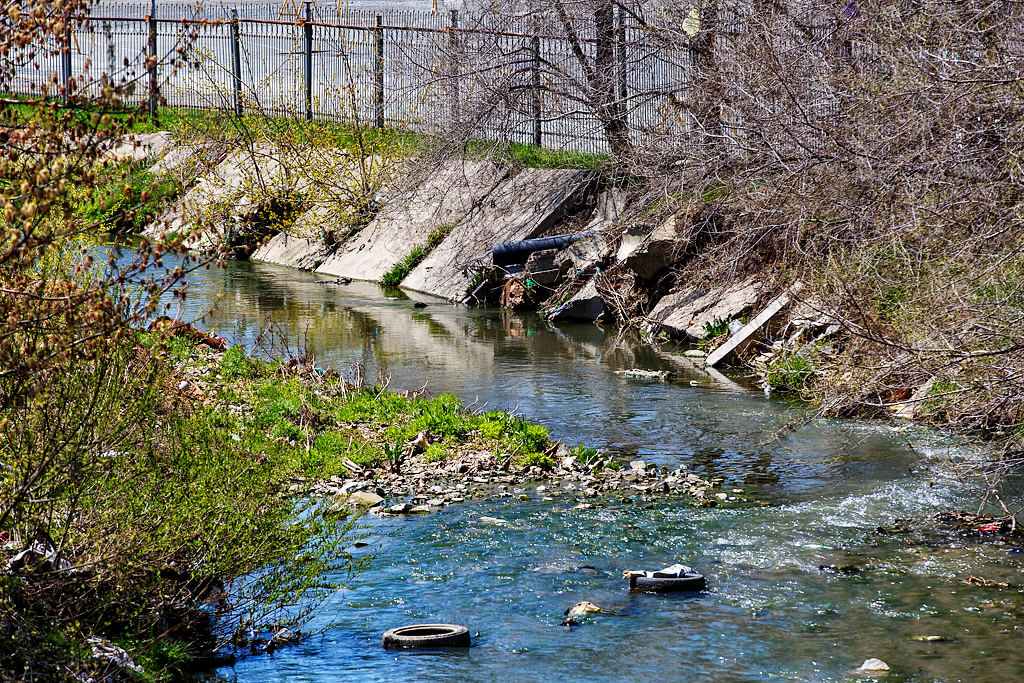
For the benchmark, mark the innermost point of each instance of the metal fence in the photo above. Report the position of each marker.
(413, 70)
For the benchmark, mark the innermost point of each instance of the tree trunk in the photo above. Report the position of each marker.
(605, 102)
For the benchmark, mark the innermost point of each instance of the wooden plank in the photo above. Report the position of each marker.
(748, 330)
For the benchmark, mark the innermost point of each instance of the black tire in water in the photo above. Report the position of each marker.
(689, 582)
(426, 636)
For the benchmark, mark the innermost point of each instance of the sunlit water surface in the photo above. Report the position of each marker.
(770, 612)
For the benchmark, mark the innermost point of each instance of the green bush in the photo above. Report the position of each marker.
(583, 454)
(535, 460)
(436, 453)
(716, 327)
(236, 365)
(791, 374)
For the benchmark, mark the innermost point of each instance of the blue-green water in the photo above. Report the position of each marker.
(770, 612)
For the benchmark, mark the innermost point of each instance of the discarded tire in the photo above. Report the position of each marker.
(426, 636)
(689, 582)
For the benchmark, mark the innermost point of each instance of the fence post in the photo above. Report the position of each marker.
(307, 29)
(538, 133)
(620, 37)
(453, 63)
(65, 56)
(153, 95)
(378, 57)
(236, 61)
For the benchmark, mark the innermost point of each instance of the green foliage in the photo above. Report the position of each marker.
(535, 460)
(792, 374)
(436, 452)
(531, 156)
(235, 364)
(198, 489)
(125, 198)
(583, 454)
(514, 434)
(890, 301)
(401, 270)
(716, 327)
(714, 195)
(713, 329)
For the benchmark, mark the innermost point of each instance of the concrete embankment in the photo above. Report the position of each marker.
(461, 209)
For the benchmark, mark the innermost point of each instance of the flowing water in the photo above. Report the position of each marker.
(771, 612)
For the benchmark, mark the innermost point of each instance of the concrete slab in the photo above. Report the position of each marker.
(685, 313)
(751, 328)
(585, 305)
(522, 207)
(212, 208)
(295, 252)
(140, 147)
(442, 199)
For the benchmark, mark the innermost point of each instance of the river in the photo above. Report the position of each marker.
(771, 612)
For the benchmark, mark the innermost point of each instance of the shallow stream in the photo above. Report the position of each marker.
(770, 613)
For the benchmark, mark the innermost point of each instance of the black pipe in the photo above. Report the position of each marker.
(514, 253)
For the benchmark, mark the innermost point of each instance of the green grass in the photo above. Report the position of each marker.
(401, 270)
(583, 454)
(315, 430)
(531, 156)
(792, 374)
(126, 198)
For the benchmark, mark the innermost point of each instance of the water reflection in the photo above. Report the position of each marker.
(560, 375)
(772, 614)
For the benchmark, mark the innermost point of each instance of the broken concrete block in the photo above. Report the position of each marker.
(440, 201)
(140, 147)
(752, 328)
(586, 305)
(522, 207)
(685, 314)
(645, 252)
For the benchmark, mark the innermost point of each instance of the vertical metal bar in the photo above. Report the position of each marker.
(453, 57)
(66, 61)
(307, 70)
(538, 133)
(378, 55)
(620, 37)
(236, 61)
(153, 94)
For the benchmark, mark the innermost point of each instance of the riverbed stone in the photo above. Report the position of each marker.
(874, 665)
(521, 207)
(358, 499)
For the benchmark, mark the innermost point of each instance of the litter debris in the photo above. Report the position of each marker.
(105, 650)
(582, 609)
(673, 572)
(646, 374)
(982, 581)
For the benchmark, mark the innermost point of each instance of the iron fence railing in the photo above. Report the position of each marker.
(414, 70)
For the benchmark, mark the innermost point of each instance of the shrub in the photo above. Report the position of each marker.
(583, 454)
(791, 374)
(535, 460)
(436, 453)
(236, 365)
